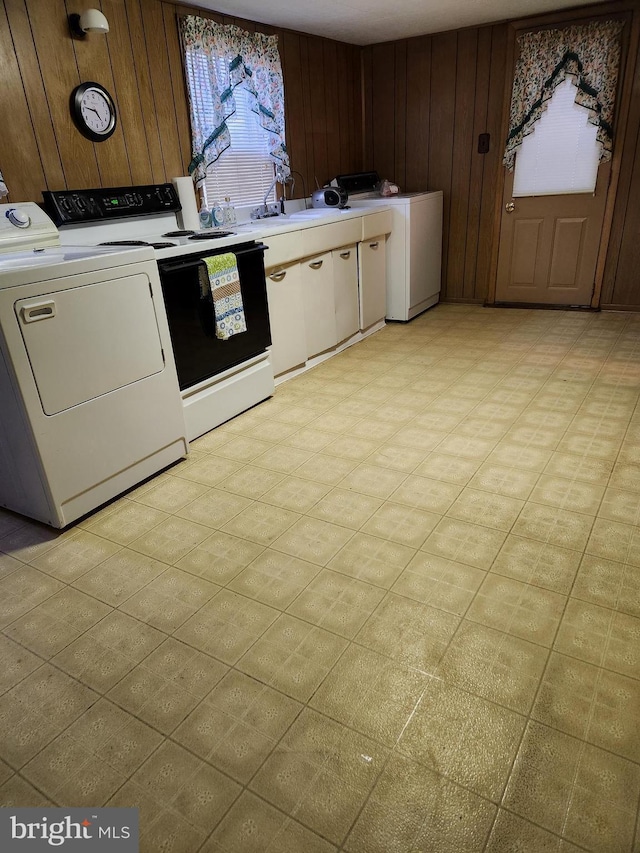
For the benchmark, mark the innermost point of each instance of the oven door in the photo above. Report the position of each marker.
(198, 354)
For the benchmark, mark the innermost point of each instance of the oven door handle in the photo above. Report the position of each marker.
(170, 265)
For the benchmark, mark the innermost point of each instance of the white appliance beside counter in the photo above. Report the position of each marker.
(414, 247)
(89, 400)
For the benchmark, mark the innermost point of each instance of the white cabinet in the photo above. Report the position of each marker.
(345, 291)
(287, 318)
(325, 283)
(319, 305)
(373, 281)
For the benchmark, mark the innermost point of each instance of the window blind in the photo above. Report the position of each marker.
(245, 170)
(561, 156)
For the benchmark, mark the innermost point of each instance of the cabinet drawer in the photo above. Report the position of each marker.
(324, 238)
(282, 249)
(375, 224)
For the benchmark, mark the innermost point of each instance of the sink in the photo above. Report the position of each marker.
(318, 212)
(283, 218)
(260, 224)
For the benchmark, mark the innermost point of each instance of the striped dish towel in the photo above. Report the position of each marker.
(224, 283)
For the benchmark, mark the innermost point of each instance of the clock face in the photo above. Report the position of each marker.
(94, 111)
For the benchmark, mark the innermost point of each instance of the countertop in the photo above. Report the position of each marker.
(262, 229)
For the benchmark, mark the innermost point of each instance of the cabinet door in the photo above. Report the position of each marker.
(373, 281)
(345, 291)
(319, 304)
(286, 315)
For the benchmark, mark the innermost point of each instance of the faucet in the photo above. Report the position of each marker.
(263, 211)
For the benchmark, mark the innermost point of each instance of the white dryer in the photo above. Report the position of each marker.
(89, 398)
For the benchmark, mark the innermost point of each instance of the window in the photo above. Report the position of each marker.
(229, 70)
(244, 171)
(562, 154)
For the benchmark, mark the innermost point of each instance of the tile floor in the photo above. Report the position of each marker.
(395, 608)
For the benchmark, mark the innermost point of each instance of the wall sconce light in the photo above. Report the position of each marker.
(90, 21)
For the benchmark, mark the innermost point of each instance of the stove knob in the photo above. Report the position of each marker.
(18, 217)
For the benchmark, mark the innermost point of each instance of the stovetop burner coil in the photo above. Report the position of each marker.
(137, 243)
(124, 243)
(210, 235)
(178, 233)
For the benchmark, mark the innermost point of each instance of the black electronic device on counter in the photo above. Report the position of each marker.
(358, 182)
(72, 207)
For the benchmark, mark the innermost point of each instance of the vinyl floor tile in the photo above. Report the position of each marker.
(440, 582)
(582, 793)
(371, 559)
(468, 739)
(293, 657)
(592, 704)
(538, 563)
(370, 693)
(520, 609)
(409, 632)
(496, 666)
(394, 608)
(414, 808)
(336, 602)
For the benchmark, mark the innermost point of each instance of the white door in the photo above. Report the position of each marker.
(553, 209)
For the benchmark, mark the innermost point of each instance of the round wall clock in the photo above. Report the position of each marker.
(93, 111)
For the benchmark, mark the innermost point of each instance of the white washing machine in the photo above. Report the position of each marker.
(89, 397)
(414, 247)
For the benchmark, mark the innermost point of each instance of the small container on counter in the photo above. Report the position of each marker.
(205, 217)
(229, 212)
(217, 215)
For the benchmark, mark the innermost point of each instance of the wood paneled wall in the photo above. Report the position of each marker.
(426, 101)
(139, 62)
(621, 284)
(412, 109)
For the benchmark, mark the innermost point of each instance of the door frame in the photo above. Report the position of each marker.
(630, 38)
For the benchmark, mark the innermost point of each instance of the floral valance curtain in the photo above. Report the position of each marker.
(218, 58)
(590, 54)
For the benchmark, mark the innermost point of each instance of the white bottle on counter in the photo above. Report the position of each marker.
(229, 212)
(205, 218)
(217, 215)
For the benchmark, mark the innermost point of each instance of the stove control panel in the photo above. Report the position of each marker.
(69, 207)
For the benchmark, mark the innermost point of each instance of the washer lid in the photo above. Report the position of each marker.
(65, 262)
(53, 255)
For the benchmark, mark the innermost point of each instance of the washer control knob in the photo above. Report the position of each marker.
(18, 217)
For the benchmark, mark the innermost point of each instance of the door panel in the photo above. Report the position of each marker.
(549, 245)
(568, 242)
(527, 234)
